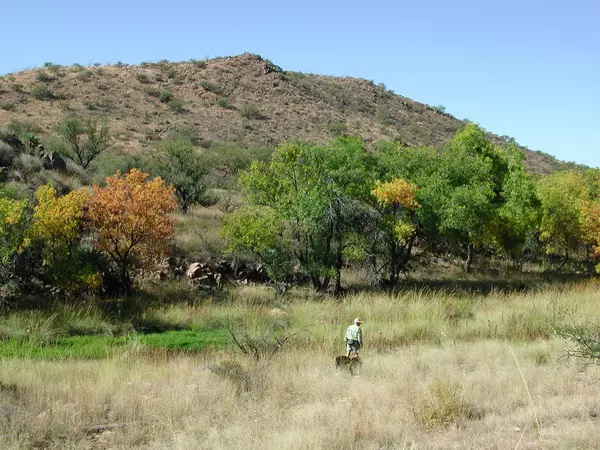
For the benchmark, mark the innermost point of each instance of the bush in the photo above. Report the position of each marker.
(211, 87)
(17, 87)
(165, 96)
(251, 111)
(44, 77)
(142, 78)
(8, 106)
(581, 342)
(443, 406)
(42, 92)
(7, 154)
(223, 102)
(85, 75)
(176, 105)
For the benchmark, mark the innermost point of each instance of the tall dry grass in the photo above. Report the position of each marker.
(438, 372)
(299, 400)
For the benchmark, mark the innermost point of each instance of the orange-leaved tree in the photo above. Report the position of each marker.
(131, 217)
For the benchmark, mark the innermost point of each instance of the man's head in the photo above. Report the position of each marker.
(357, 321)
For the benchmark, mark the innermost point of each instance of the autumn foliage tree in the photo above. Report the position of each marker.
(58, 223)
(397, 204)
(131, 217)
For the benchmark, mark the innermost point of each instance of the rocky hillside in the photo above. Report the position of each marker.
(244, 99)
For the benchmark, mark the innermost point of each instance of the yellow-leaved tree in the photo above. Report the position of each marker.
(397, 204)
(58, 224)
(131, 217)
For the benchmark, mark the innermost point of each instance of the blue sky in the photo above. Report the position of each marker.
(528, 69)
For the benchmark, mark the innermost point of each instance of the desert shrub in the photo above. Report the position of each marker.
(85, 75)
(152, 92)
(77, 67)
(142, 78)
(337, 128)
(17, 87)
(7, 154)
(581, 342)
(243, 380)
(176, 105)
(211, 87)
(8, 106)
(250, 111)
(43, 77)
(223, 102)
(199, 64)
(443, 405)
(165, 96)
(42, 92)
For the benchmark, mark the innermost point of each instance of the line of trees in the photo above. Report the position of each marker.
(310, 208)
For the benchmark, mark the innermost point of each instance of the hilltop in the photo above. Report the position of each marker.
(244, 99)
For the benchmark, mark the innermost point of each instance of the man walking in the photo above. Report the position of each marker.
(353, 338)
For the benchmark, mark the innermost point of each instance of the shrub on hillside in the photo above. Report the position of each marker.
(142, 78)
(43, 77)
(338, 128)
(211, 87)
(251, 111)
(165, 96)
(42, 92)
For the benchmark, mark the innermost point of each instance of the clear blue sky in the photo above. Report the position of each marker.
(529, 68)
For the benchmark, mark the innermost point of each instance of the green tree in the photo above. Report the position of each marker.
(178, 163)
(519, 215)
(85, 139)
(260, 232)
(562, 196)
(318, 192)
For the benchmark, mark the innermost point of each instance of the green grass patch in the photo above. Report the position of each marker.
(95, 347)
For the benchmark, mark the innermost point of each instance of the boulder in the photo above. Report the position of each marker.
(53, 161)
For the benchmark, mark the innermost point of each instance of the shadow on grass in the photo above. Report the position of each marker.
(480, 285)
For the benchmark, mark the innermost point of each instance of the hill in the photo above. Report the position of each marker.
(244, 99)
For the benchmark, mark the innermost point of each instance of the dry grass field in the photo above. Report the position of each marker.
(444, 371)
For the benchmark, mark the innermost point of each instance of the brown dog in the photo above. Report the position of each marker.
(343, 362)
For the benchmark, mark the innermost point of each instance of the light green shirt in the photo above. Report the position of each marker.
(353, 332)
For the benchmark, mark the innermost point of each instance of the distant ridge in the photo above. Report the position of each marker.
(245, 99)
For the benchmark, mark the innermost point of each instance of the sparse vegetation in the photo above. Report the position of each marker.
(142, 78)
(42, 92)
(251, 111)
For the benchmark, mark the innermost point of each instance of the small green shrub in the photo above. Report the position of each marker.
(8, 106)
(142, 78)
(77, 67)
(176, 105)
(85, 75)
(165, 96)
(43, 77)
(223, 102)
(42, 92)
(17, 87)
(251, 111)
(211, 87)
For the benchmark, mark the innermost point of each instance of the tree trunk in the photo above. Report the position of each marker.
(563, 262)
(338, 270)
(470, 254)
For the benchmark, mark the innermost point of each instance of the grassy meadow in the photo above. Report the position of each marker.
(441, 369)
